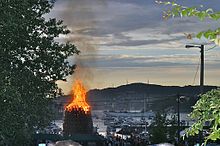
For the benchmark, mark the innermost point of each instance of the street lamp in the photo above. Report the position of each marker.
(202, 65)
(201, 75)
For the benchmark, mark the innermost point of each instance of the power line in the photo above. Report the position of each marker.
(197, 69)
(213, 47)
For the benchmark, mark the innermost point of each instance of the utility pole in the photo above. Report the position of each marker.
(201, 77)
(202, 70)
(202, 65)
(201, 84)
(178, 118)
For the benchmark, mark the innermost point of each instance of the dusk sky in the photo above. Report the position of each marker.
(127, 41)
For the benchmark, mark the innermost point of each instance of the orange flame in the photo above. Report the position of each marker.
(79, 98)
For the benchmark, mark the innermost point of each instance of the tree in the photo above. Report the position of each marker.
(31, 62)
(207, 108)
(158, 131)
(172, 130)
(183, 11)
(163, 129)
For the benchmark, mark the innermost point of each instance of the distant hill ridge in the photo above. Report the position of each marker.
(139, 96)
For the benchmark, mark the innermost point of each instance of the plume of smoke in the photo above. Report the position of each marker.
(80, 17)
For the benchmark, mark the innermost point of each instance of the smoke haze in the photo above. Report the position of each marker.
(81, 16)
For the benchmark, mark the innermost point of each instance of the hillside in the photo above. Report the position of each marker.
(140, 96)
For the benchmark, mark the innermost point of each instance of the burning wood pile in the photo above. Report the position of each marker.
(78, 118)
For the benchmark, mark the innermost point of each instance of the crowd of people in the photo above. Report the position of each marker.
(128, 141)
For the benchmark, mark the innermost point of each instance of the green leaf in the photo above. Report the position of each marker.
(202, 15)
(199, 35)
(217, 41)
(209, 10)
(184, 13)
(214, 135)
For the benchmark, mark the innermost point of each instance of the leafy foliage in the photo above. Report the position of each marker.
(31, 62)
(182, 11)
(163, 129)
(207, 110)
(158, 130)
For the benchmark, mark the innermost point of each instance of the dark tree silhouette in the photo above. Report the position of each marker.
(31, 63)
(158, 130)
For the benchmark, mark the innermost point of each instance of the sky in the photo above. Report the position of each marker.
(127, 41)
